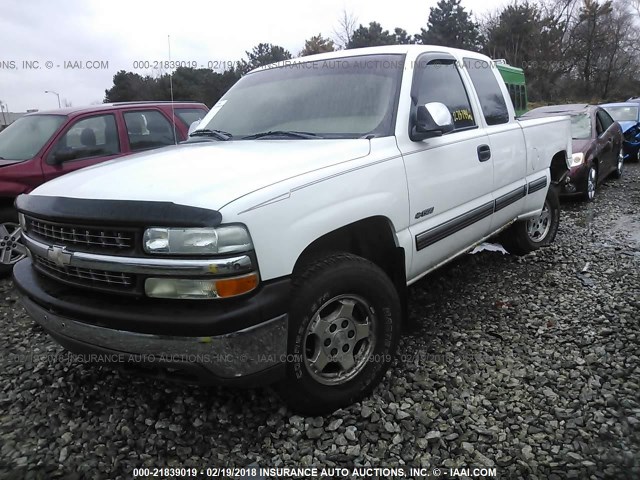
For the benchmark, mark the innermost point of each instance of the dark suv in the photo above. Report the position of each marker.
(44, 145)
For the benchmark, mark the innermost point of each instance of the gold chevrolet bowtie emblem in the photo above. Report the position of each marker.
(59, 256)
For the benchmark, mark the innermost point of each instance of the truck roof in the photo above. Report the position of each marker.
(102, 107)
(382, 50)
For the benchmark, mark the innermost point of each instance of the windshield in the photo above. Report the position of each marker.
(581, 126)
(340, 98)
(623, 114)
(24, 138)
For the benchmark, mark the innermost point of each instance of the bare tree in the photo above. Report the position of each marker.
(347, 24)
(619, 56)
(571, 50)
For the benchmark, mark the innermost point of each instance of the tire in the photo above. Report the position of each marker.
(11, 251)
(333, 301)
(528, 235)
(591, 184)
(617, 173)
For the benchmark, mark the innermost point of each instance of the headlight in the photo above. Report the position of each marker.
(577, 159)
(197, 241)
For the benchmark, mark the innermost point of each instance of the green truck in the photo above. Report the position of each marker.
(514, 78)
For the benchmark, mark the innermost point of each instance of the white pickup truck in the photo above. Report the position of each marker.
(278, 243)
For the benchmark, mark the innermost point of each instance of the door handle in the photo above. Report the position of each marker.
(484, 153)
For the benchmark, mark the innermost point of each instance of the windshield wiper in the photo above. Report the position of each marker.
(205, 132)
(282, 133)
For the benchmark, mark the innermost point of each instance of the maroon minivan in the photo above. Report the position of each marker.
(44, 145)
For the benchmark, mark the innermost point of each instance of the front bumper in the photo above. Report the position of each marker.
(575, 181)
(252, 353)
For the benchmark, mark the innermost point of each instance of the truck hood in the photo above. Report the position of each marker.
(208, 174)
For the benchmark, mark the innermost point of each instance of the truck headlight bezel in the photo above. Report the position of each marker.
(197, 241)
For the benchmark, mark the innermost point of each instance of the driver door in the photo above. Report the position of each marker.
(87, 141)
(609, 138)
(450, 177)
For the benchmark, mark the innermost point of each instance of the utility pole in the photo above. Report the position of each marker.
(56, 94)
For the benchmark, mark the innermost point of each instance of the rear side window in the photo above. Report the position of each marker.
(190, 115)
(440, 81)
(512, 94)
(486, 84)
(148, 129)
(523, 97)
(89, 137)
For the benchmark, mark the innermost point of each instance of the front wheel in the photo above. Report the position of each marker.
(344, 325)
(528, 235)
(591, 184)
(11, 248)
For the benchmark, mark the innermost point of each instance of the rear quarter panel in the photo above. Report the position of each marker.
(544, 138)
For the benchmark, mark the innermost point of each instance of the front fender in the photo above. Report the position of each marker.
(283, 229)
(12, 189)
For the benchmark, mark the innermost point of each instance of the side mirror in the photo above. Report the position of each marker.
(430, 120)
(61, 156)
(193, 126)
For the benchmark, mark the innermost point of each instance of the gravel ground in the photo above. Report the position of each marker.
(527, 364)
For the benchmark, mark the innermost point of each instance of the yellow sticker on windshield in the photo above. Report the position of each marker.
(461, 115)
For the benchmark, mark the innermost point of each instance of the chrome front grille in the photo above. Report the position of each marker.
(86, 277)
(83, 238)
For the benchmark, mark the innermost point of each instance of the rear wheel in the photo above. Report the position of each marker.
(344, 325)
(620, 165)
(11, 248)
(529, 235)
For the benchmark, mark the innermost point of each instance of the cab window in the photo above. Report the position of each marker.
(190, 115)
(513, 95)
(440, 81)
(523, 97)
(148, 129)
(89, 137)
(490, 95)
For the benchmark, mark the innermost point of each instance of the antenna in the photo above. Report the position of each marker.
(173, 108)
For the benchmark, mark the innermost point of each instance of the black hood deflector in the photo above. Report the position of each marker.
(135, 213)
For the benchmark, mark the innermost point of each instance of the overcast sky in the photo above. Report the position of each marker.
(122, 32)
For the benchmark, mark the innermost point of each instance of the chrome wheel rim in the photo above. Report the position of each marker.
(538, 228)
(11, 250)
(339, 339)
(620, 162)
(591, 183)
